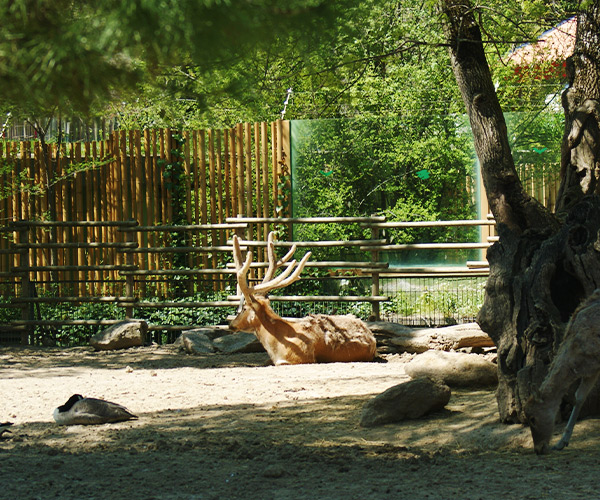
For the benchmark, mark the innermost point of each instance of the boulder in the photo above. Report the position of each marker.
(128, 333)
(409, 400)
(455, 369)
(238, 342)
(195, 342)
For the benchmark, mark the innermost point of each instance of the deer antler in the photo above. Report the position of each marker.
(288, 276)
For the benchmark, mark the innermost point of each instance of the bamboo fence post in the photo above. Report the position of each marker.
(15, 192)
(233, 173)
(221, 235)
(26, 288)
(161, 175)
(189, 236)
(213, 194)
(4, 259)
(375, 310)
(125, 176)
(226, 152)
(130, 237)
(95, 212)
(103, 201)
(80, 216)
(169, 159)
(195, 181)
(150, 201)
(248, 169)
(119, 193)
(203, 193)
(274, 166)
(258, 188)
(136, 146)
(239, 152)
(265, 179)
(153, 239)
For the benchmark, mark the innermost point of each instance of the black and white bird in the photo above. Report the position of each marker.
(4, 428)
(88, 411)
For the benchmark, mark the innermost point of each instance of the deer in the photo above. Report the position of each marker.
(577, 360)
(314, 339)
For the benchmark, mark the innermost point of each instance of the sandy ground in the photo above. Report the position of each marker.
(228, 427)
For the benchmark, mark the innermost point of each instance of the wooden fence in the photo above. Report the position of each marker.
(137, 290)
(156, 177)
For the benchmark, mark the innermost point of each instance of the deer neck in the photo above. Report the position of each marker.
(268, 322)
(558, 380)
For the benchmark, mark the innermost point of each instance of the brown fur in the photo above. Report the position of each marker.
(577, 359)
(313, 339)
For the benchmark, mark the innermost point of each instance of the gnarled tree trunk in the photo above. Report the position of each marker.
(544, 264)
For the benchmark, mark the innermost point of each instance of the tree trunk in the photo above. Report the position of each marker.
(543, 265)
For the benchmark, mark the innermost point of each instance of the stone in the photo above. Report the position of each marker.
(455, 369)
(122, 335)
(195, 342)
(409, 400)
(238, 342)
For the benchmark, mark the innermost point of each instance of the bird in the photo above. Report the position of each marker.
(4, 428)
(89, 411)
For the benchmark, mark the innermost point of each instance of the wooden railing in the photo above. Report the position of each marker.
(135, 284)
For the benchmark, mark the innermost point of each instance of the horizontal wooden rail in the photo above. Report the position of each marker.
(61, 322)
(188, 304)
(327, 264)
(57, 300)
(433, 223)
(81, 223)
(93, 244)
(176, 272)
(450, 272)
(428, 246)
(305, 220)
(189, 227)
(105, 267)
(320, 244)
(179, 249)
(319, 298)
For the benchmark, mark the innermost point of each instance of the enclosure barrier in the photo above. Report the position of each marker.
(43, 273)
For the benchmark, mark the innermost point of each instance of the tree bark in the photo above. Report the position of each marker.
(543, 265)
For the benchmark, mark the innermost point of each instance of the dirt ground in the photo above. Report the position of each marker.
(228, 427)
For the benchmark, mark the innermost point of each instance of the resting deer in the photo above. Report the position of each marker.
(577, 358)
(313, 339)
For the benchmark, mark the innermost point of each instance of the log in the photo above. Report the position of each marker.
(416, 340)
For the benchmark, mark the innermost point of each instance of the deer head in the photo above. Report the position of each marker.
(254, 306)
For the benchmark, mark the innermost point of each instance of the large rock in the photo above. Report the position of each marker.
(238, 342)
(455, 369)
(128, 333)
(409, 400)
(195, 342)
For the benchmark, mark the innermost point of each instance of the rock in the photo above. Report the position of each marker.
(409, 400)
(195, 342)
(454, 369)
(128, 333)
(238, 342)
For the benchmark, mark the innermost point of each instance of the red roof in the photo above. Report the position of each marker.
(554, 45)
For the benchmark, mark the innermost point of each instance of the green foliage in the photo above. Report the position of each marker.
(406, 168)
(434, 301)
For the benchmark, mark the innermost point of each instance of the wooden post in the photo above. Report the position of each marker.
(131, 236)
(26, 285)
(375, 311)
